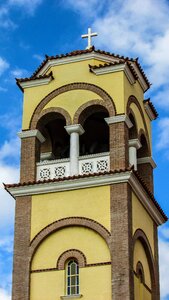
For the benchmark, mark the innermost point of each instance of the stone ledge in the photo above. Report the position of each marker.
(71, 297)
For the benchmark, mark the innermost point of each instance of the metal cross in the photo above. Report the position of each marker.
(89, 35)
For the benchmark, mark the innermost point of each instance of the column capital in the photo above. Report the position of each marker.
(74, 128)
(147, 160)
(32, 133)
(135, 143)
(118, 119)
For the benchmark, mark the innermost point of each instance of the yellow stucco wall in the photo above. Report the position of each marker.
(76, 237)
(70, 73)
(72, 100)
(140, 291)
(142, 220)
(140, 255)
(95, 281)
(93, 203)
(95, 284)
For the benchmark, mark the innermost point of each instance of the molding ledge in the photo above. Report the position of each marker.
(36, 82)
(77, 58)
(149, 112)
(74, 128)
(89, 182)
(135, 143)
(71, 297)
(32, 133)
(118, 119)
(147, 160)
(141, 80)
(116, 68)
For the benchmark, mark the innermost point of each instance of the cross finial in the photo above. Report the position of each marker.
(89, 35)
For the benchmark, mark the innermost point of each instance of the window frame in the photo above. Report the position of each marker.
(72, 277)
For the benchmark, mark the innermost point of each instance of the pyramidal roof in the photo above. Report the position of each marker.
(109, 60)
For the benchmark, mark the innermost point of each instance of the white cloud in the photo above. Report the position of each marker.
(4, 65)
(163, 135)
(38, 57)
(6, 243)
(8, 174)
(28, 5)
(2, 89)
(164, 270)
(5, 21)
(4, 295)
(87, 8)
(139, 28)
(11, 123)
(18, 73)
(10, 148)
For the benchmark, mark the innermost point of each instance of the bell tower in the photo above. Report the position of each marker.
(86, 217)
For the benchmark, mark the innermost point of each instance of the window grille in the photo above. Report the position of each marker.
(72, 277)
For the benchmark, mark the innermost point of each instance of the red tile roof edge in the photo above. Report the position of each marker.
(114, 64)
(150, 194)
(143, 74)
(92, 49)
(152, 107)
(66, 178)
(20, 80)
(79, 52)
(140, 179)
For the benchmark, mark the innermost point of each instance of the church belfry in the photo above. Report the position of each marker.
(86, 219)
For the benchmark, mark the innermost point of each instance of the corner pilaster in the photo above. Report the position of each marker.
(30, 153)
(118, 128)
(20, 285)
(121, 242)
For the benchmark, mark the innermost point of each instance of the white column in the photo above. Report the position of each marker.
(134, 145)
(74, 131)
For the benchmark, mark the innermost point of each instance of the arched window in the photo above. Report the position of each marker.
(72, 277)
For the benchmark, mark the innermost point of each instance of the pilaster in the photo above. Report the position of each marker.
(30, 153)
(118, 128)
(20, 285)
(121, 242)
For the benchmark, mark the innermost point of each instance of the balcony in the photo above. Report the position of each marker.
(88, 164)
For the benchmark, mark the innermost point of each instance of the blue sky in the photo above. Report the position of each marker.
(29, 29)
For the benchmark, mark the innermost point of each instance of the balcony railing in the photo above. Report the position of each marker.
(88, 164)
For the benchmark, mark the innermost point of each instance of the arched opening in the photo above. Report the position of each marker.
(144, 267)
(143, 151)
(133, 130)
(96, 136)
(56, 145)
(145, 168)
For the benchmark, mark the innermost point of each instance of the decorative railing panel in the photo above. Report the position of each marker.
(94, 163)
(88, 164)
(53, 169)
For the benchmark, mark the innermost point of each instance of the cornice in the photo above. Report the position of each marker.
(149, 111)
(85, 182)
(73, 59)
(141, 79)
(88, 182)
(135, 143)
(32, 133)
(118, 119)
(145, 160)
(74, 128)
(35, 82)
(116, 68)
